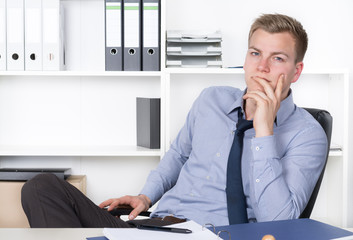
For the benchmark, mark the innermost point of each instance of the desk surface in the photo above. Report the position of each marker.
(53, 233)
(49, 233)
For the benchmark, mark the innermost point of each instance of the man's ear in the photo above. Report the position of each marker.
(298, 70)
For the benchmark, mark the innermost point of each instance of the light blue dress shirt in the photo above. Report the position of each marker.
(279, 172)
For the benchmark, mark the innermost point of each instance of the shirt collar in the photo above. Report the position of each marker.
(237, 104)
(285, 110)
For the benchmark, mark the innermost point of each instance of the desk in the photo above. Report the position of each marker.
(49, 233)
(246, 232)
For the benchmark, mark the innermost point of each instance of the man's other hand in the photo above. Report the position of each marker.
(138, 203)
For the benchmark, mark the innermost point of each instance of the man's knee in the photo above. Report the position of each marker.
(40, 182)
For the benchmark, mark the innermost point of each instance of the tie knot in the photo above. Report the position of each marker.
(244, 125)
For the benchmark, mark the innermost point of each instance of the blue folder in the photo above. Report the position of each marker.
(97, 238)
(303, 229)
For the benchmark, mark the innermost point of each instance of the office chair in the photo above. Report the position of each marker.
(325, 120)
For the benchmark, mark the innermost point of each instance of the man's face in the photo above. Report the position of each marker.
(269, 56)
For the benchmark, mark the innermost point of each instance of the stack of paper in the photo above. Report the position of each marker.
(194, 49)
(198, 232)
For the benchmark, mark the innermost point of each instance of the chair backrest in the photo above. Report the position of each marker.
(325, 120)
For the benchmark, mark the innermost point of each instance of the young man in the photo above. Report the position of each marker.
(283, 153)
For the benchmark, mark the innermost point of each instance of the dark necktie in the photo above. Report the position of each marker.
(235, 194)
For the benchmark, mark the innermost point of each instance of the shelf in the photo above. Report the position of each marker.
(151, 73)
(83, 73)
(92, 151)
(241, 71)
(335, 153)
(82, 151)
(204, 70)
(325, 71)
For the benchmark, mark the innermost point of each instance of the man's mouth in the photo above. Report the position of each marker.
(262, 78)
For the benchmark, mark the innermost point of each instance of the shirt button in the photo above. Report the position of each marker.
(257, 148)
(257, 180)
(208, 177)
(191, 194)
(218, 154)
(233, 132)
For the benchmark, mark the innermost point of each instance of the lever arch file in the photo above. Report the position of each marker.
(53, 35)
(113, 35)
(33, 35)
(151, 35)
(15, 35)
(148, 122)
(132, 30)
(3, 35)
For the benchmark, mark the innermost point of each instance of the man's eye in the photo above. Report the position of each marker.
(255, 53)
(279, 59)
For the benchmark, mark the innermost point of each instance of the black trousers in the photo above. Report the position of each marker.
(50, 202)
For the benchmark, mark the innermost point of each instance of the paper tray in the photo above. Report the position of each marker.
(193, 36)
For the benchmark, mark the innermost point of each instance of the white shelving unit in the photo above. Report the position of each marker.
(86, 118)
(103, 151)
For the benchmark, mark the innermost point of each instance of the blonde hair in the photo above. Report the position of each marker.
(278, 23)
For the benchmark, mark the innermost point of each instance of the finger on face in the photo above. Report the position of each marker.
(269, 91)
(258, 96)
(279, 86)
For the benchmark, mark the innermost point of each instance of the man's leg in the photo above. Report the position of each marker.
(52, 202)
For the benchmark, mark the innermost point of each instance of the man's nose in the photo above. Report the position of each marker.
(263, 65)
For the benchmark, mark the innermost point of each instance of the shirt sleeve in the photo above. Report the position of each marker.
(281, 183)
(164, 177)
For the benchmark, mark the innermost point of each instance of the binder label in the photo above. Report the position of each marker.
(50, 33)
(3, 35)
(15, 32)
(113, 24)
(33, 32)
(150, 24)
(132, 25)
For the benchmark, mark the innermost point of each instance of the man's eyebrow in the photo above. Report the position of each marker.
(273, 53)
(254, 48)
(283, 53)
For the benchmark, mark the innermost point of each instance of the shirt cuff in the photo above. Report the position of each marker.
(150, 192)
(264, 148)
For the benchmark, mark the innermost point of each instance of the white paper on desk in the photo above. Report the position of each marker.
(344, 238)
(137, 234)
